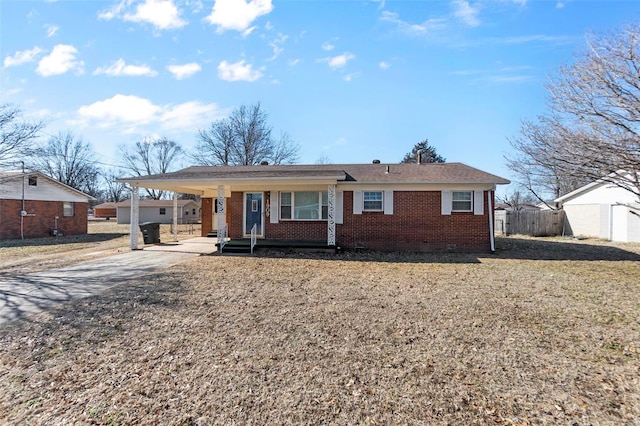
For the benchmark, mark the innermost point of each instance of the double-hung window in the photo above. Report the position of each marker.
(304, 205)
(163, 210)
(67, 209)
(462, 201)
(372, 201)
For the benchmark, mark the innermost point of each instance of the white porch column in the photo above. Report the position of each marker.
(175, 216)
(222, 228)
(135, 218)
(331, 216)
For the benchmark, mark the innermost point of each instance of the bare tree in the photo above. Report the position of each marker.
(595, 114)
(535, 161)
(16, 135)
(69, 160)
(516, 200)
(244, 138)
(423, 153)
(114, 191)
(152, 156)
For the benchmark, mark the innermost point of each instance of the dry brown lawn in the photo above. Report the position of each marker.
(544, 332)
(104, 238)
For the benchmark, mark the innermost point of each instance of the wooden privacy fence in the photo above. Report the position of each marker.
(537, 223)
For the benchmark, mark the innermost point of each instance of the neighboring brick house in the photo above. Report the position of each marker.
(423, 207)
(50, 207)
(105, 210)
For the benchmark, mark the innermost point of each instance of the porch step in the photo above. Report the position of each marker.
(212, 234)
(243, 246)
(235, 248)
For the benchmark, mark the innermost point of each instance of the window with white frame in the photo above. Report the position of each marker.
(67, 209)
(372, 201)
(462, 201)
(304, 205)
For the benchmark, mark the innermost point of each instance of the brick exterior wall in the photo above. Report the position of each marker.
(40, 225)
(416, 224)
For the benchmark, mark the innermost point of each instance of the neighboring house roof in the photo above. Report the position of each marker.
(107, 205)
(18, 175)
(155, 203)
(432, 173)
(590, 187)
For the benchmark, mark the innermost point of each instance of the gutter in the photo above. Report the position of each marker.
(492, 242)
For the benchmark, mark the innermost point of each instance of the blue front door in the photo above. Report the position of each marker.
(253, 212)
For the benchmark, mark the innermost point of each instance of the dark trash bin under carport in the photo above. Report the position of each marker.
(150, 232)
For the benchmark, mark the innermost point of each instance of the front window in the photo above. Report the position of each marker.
(163, 210)
(372, 201)
(67, 209)
(462, 201)
(304, 205)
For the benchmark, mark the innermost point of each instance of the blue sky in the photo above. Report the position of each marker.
(350, 81)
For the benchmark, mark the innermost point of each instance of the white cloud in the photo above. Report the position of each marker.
(466, 13)
(162, 14)
(424, 28)
(327, 46)
(277, 46)
(190, 115)
(61, 59)
(294, 62)
(121, 108)
(237, 14)
(183, 71)
(22, 57)
(119, 68)
(238, 71)
(339, 61)
(133, 112)
(115, 11)
(384, 65)
(51, 29)
(350, 77)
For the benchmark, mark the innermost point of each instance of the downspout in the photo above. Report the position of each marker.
(23, 211)
(492, 242)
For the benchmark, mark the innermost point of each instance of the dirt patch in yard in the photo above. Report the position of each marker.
(358, 338)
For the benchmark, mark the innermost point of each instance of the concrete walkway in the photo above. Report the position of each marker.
(30, 294)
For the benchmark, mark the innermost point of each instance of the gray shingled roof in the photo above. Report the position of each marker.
(361, 173)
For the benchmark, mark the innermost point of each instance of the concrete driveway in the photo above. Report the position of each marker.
(30, 294)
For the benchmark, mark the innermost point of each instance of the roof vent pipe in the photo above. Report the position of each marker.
(387, 172)
(264, 163)
(376, 161)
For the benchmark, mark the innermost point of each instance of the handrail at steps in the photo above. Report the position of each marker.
(222, 237)
(254, 236)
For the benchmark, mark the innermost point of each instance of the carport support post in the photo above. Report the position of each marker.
(135, 218)
(331, 207)
(175, 216)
